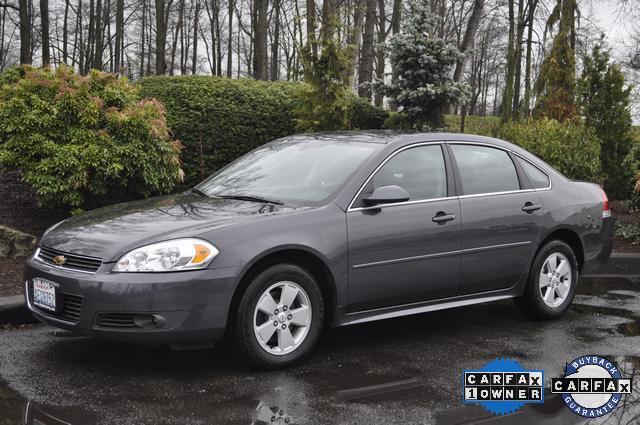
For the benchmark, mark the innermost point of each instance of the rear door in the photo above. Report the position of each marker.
(501, 217)
(398, 254)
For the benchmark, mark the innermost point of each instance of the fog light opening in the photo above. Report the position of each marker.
(149, 321)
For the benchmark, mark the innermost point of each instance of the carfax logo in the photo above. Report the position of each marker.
(503, 386)
(592, 387)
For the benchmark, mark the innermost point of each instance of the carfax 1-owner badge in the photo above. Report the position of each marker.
(503, 386)
(593, 386)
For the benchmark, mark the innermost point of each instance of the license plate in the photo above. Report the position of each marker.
(44, 294)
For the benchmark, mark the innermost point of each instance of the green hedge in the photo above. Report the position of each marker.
(219, 119)
(571, 147)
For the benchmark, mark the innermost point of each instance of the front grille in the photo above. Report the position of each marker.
(71, 306)
(116, 320)
(74, 262)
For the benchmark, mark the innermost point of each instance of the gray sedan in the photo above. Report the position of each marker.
(325, 229)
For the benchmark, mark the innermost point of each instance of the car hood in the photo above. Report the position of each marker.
(109, 232)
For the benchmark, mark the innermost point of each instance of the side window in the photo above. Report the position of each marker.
(485, 170)
(420, 171)
(539, 179)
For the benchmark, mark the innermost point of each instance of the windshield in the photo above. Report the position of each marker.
(297, 171)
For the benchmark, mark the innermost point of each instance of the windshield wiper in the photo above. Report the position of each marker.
(251, 198)
(199, 192)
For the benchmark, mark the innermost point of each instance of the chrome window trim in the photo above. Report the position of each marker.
(394, 153)
(422, 201)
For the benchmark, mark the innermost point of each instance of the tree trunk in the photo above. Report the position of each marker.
(90, 37)
(468, 38)
(97, 60)
(194, 60)
(232, 5)
(382, 36)
(260, 57)
(365, 69)
(26, 56)
(65, 29)
(119, 35)
(507, 98)
(143, 40)
(275, 47)
(44, 21)
(176, 37)
(526, 104)
(311, 27)
(161, 38)
(355, 39)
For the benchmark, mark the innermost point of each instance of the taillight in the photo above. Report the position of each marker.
(606, 211)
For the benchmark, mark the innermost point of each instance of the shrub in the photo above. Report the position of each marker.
(473, 124)
(219, 119)
(74, 136)
(571, 147)
(365, 115)
(632, 165)
(628, 231)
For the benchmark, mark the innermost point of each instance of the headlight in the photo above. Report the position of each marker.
(173, 255)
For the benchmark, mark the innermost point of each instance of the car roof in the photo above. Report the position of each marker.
(401, 137)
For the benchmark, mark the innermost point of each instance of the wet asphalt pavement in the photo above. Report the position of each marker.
(401, 371)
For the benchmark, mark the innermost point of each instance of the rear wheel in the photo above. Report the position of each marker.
(552, 282)
(280, 316)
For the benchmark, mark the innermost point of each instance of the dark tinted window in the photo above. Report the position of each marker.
(485, 170)
(539, 180)
(420, 171)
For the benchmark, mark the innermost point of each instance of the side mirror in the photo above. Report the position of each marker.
(387, 195)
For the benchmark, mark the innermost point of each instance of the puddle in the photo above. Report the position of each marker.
(629, 329)
(600, 310)
(601, 285)
(377, 390)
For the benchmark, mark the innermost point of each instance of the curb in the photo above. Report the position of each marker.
(620, 265)
(14, 311)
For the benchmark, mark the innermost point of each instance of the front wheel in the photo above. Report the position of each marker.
(552, 282)
(280, 317)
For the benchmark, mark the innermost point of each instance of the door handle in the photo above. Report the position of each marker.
(529, 207)
(442, 217)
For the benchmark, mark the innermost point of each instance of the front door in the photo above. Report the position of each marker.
(501, 219)
(405, 252)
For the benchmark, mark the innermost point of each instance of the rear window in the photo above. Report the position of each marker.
(538, 178)
(485, 170)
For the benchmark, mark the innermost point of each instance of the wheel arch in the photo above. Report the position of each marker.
(310, 260)
(570, 237)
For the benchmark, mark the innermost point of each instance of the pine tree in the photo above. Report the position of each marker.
(604, 103)
(422, 84)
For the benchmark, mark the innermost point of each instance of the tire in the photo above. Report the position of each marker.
(549, 273)
(276, 340)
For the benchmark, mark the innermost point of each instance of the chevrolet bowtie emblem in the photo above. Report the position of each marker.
(59, 260)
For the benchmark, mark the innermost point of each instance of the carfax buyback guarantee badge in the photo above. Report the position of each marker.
(503, 386)
(592, 386)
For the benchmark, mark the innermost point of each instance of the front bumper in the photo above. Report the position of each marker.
(190, 306)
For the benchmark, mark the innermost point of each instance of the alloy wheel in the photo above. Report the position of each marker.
(555, 279)
(282, 318)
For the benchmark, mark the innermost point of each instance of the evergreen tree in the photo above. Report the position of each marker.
(422, 85)
(604, 103)
(557, 79)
